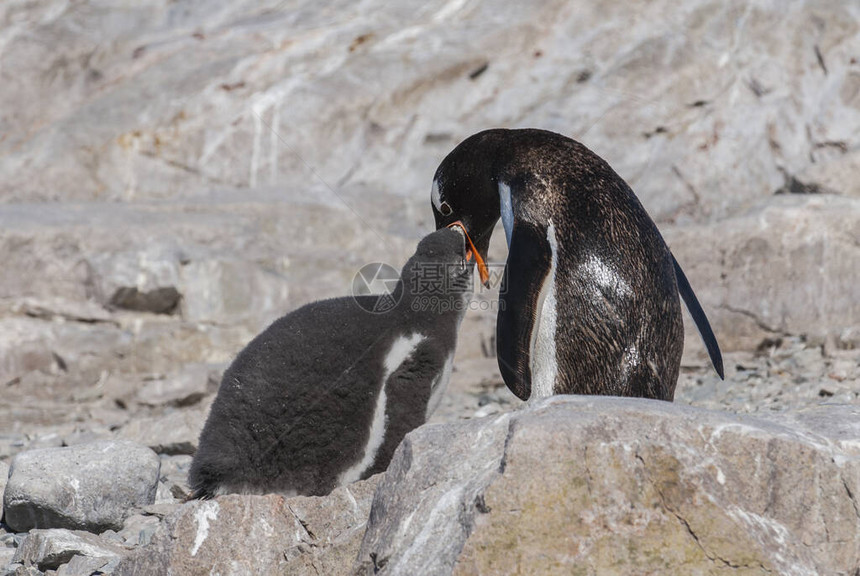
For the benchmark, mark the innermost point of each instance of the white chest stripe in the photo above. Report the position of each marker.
(544, 367)
(400, 351)
(507, 211)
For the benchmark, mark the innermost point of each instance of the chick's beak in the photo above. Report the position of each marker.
(472, 251)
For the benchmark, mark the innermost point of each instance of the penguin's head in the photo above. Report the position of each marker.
(440, 265)
(448, 246)
(465, 193)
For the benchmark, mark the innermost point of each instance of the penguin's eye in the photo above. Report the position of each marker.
(445, 209)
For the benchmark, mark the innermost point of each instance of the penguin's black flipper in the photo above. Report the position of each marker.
(699, 318)
(529, 262)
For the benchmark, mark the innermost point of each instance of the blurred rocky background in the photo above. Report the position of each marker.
(176, 174)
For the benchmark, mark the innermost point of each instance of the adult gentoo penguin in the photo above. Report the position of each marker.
(324, 395)
(589, 300)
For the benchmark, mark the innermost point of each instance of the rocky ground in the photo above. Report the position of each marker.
(55, 407)
(176, 175)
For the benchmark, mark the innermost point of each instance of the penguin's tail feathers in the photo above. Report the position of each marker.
(699, 318)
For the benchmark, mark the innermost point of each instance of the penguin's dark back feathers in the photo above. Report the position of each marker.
(615, 278)
(620, 330)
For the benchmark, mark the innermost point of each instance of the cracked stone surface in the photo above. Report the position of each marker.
(235, 534)
(609, 485)
(240, 534)
(334, 527)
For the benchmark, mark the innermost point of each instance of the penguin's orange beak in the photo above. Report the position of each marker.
(472, 251)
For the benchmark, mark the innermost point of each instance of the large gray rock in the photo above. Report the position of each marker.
(50, 549)
(789, 266)
(91, 487)
(603, 485)
(370, 97)
(237, 535)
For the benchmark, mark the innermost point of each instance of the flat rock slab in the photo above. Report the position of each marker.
(87, 566)
(242, 534)
(51, 549)
(591, 485)
(91, 487)
(174, 433)
(789, 265)
(183, 389)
